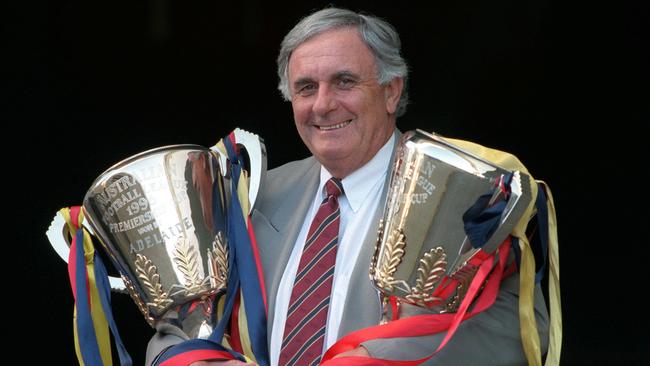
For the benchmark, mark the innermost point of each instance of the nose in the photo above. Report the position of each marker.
(325, 101)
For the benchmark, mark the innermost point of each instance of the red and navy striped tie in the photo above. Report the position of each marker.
(304, 330)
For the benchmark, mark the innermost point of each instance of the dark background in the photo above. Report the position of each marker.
(563, 85)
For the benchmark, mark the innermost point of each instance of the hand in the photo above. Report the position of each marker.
(360, 351)
(221, 363)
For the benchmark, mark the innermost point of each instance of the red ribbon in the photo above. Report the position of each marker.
(258, 262)
(430, 324)
(72, 256)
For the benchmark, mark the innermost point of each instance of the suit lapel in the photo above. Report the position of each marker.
(280, 229)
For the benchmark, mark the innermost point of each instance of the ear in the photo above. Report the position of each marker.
(392, 94)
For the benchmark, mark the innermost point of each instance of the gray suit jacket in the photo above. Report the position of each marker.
(490, 338)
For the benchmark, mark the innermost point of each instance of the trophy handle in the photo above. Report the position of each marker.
(256, 152)
(57, 233)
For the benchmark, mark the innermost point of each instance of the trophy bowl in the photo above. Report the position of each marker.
(422, 241)
(160, 216)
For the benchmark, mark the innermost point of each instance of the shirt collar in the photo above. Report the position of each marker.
(358, 185)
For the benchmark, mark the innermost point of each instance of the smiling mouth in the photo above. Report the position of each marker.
(334, 127)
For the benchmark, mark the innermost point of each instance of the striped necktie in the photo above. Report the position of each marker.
(304, 330)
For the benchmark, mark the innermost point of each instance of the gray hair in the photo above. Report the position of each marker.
(380, 37)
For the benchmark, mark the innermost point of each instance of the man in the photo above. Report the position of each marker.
(345, 78)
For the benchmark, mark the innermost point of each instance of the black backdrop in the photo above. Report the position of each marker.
(95, 82)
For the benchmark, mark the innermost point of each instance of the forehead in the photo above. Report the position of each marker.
(332, 52)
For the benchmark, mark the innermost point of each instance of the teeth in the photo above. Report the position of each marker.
(334, 127)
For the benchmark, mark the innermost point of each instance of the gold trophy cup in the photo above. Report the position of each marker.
(422, 239)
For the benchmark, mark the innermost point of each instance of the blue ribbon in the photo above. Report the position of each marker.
(245, 265)
(539, 248)
(195, 345)
(85, 327)
(542, 223)
(104, 287)
(482, 219)
(242, 275)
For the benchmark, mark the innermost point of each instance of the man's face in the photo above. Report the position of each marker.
(342, 113)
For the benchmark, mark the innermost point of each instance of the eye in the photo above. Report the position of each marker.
(307, 89)
(346, 82)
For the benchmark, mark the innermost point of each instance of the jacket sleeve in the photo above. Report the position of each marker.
(166, 336)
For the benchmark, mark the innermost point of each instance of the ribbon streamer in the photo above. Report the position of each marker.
(243, 311)
(91, 291)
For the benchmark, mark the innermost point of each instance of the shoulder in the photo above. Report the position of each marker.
(291, 169)
(285, 179)
(287, 174)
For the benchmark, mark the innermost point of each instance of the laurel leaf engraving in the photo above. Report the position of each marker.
(218, 259)
(148, 275)
(392, 257)
(430, 271)
(373, 260)
(186, 258)
(432, 268)
(394, 252)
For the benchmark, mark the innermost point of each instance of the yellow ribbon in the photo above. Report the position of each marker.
(242, 185)
(77, 348)
(555, 301)
(528, 330)
(97, 311)
(242, 194)
(529, 334)
(246, 346)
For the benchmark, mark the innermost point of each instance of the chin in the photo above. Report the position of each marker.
(331, 151)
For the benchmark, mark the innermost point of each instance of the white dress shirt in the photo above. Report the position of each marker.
(362, 192)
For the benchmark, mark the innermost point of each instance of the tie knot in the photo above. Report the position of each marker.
(334, 187)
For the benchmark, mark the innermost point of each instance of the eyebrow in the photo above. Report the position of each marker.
(345, 73)
(337, 76)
